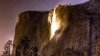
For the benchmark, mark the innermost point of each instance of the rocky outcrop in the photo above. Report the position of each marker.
(33, 25)
(81, 35)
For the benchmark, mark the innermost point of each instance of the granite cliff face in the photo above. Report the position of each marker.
(32, 28)
(81, 35)
(68, 30)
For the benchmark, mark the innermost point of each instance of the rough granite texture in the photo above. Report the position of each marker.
(35, 26)
(81, 35)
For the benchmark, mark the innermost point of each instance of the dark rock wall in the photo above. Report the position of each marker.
(35, 26)
(81, 36)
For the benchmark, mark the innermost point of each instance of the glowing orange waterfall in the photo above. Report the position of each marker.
(55, 24)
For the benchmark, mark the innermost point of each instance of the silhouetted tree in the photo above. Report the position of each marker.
(7, 48)
(35, 50)
(23, 46)
(18, 53)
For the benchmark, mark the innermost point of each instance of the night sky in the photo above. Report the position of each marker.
(9, 10)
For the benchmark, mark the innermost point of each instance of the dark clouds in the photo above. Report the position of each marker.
(9, 10)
